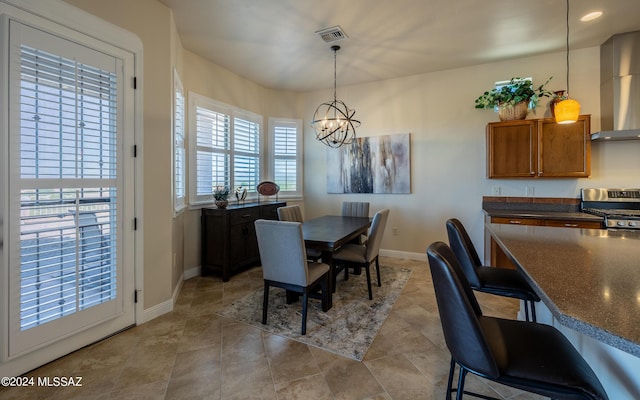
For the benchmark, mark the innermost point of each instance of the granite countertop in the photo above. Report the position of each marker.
(536, 208)
(588, 278)
(539, 214)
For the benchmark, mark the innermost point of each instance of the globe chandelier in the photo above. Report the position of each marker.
(333, 121)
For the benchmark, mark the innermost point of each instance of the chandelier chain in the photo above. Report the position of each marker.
(335, 74)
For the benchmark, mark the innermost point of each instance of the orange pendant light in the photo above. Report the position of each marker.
(567, 111)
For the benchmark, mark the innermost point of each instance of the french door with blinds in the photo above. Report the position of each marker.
(70, 187)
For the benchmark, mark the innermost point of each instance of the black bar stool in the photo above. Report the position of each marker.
(525, 355)
(494, 280)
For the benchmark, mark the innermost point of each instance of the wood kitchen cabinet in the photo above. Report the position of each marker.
(228, 235)
(500, 259)
(539, 148)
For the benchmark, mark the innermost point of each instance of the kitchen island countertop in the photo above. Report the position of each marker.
(588, 278)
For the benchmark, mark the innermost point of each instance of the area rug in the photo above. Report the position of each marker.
(347, 329)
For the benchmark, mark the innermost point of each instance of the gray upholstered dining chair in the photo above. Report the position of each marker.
(356, 209)
(294, 214)
(290, 213)
(285, 265)
(355, 255)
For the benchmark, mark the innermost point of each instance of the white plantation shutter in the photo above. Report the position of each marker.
(227, 148)
(212, 152)
(66, 108)
(246, 156)
(286, 153)
(179, 156)
(285, 158)
(67, 185)
(67, 249)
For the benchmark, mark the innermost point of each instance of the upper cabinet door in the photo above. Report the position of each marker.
(539, 148)
(565, 150)
(511, 149)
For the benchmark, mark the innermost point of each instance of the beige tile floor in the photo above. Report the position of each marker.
(191, 353)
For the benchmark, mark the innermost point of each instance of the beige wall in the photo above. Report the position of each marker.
(447, 139)
(178, 243)
(448, 145)
(210, 80)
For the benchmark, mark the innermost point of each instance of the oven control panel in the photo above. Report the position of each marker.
(621, 223)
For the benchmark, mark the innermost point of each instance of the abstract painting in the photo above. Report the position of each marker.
(375, 164)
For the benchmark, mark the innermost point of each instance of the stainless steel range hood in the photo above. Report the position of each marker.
(627, 134)
(620, 88)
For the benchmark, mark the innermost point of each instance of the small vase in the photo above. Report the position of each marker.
(222, 203)
(559, 95)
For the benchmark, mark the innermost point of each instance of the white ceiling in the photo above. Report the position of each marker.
(273, 42)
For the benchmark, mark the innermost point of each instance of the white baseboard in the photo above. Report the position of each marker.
(192, 272)
(167, 306)
(403, 254)
(157, 310)
(164, 307)
(176, 291)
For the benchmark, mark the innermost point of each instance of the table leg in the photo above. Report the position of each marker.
(292, 297)
(327, 258)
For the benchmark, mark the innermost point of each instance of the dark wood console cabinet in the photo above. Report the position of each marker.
(229, 240)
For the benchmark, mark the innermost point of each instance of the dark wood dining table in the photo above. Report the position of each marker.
(330, 232)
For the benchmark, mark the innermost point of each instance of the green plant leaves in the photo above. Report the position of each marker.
(515, 91)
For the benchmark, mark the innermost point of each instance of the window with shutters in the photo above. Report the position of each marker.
(68, 186)
(179, 156)
(285, 138)
(226, 149)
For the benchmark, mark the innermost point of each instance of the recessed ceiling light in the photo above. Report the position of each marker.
(591, 16)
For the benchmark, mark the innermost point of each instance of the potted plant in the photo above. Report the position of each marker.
(513, 99)
(221, 195)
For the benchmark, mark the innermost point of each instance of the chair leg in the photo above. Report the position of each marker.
(460, 389)
(450, 380)
(305, 302)
(378, 271)
(265, 302)
(533, 311)
(461, 375)
(530, 304)
(368, 270)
